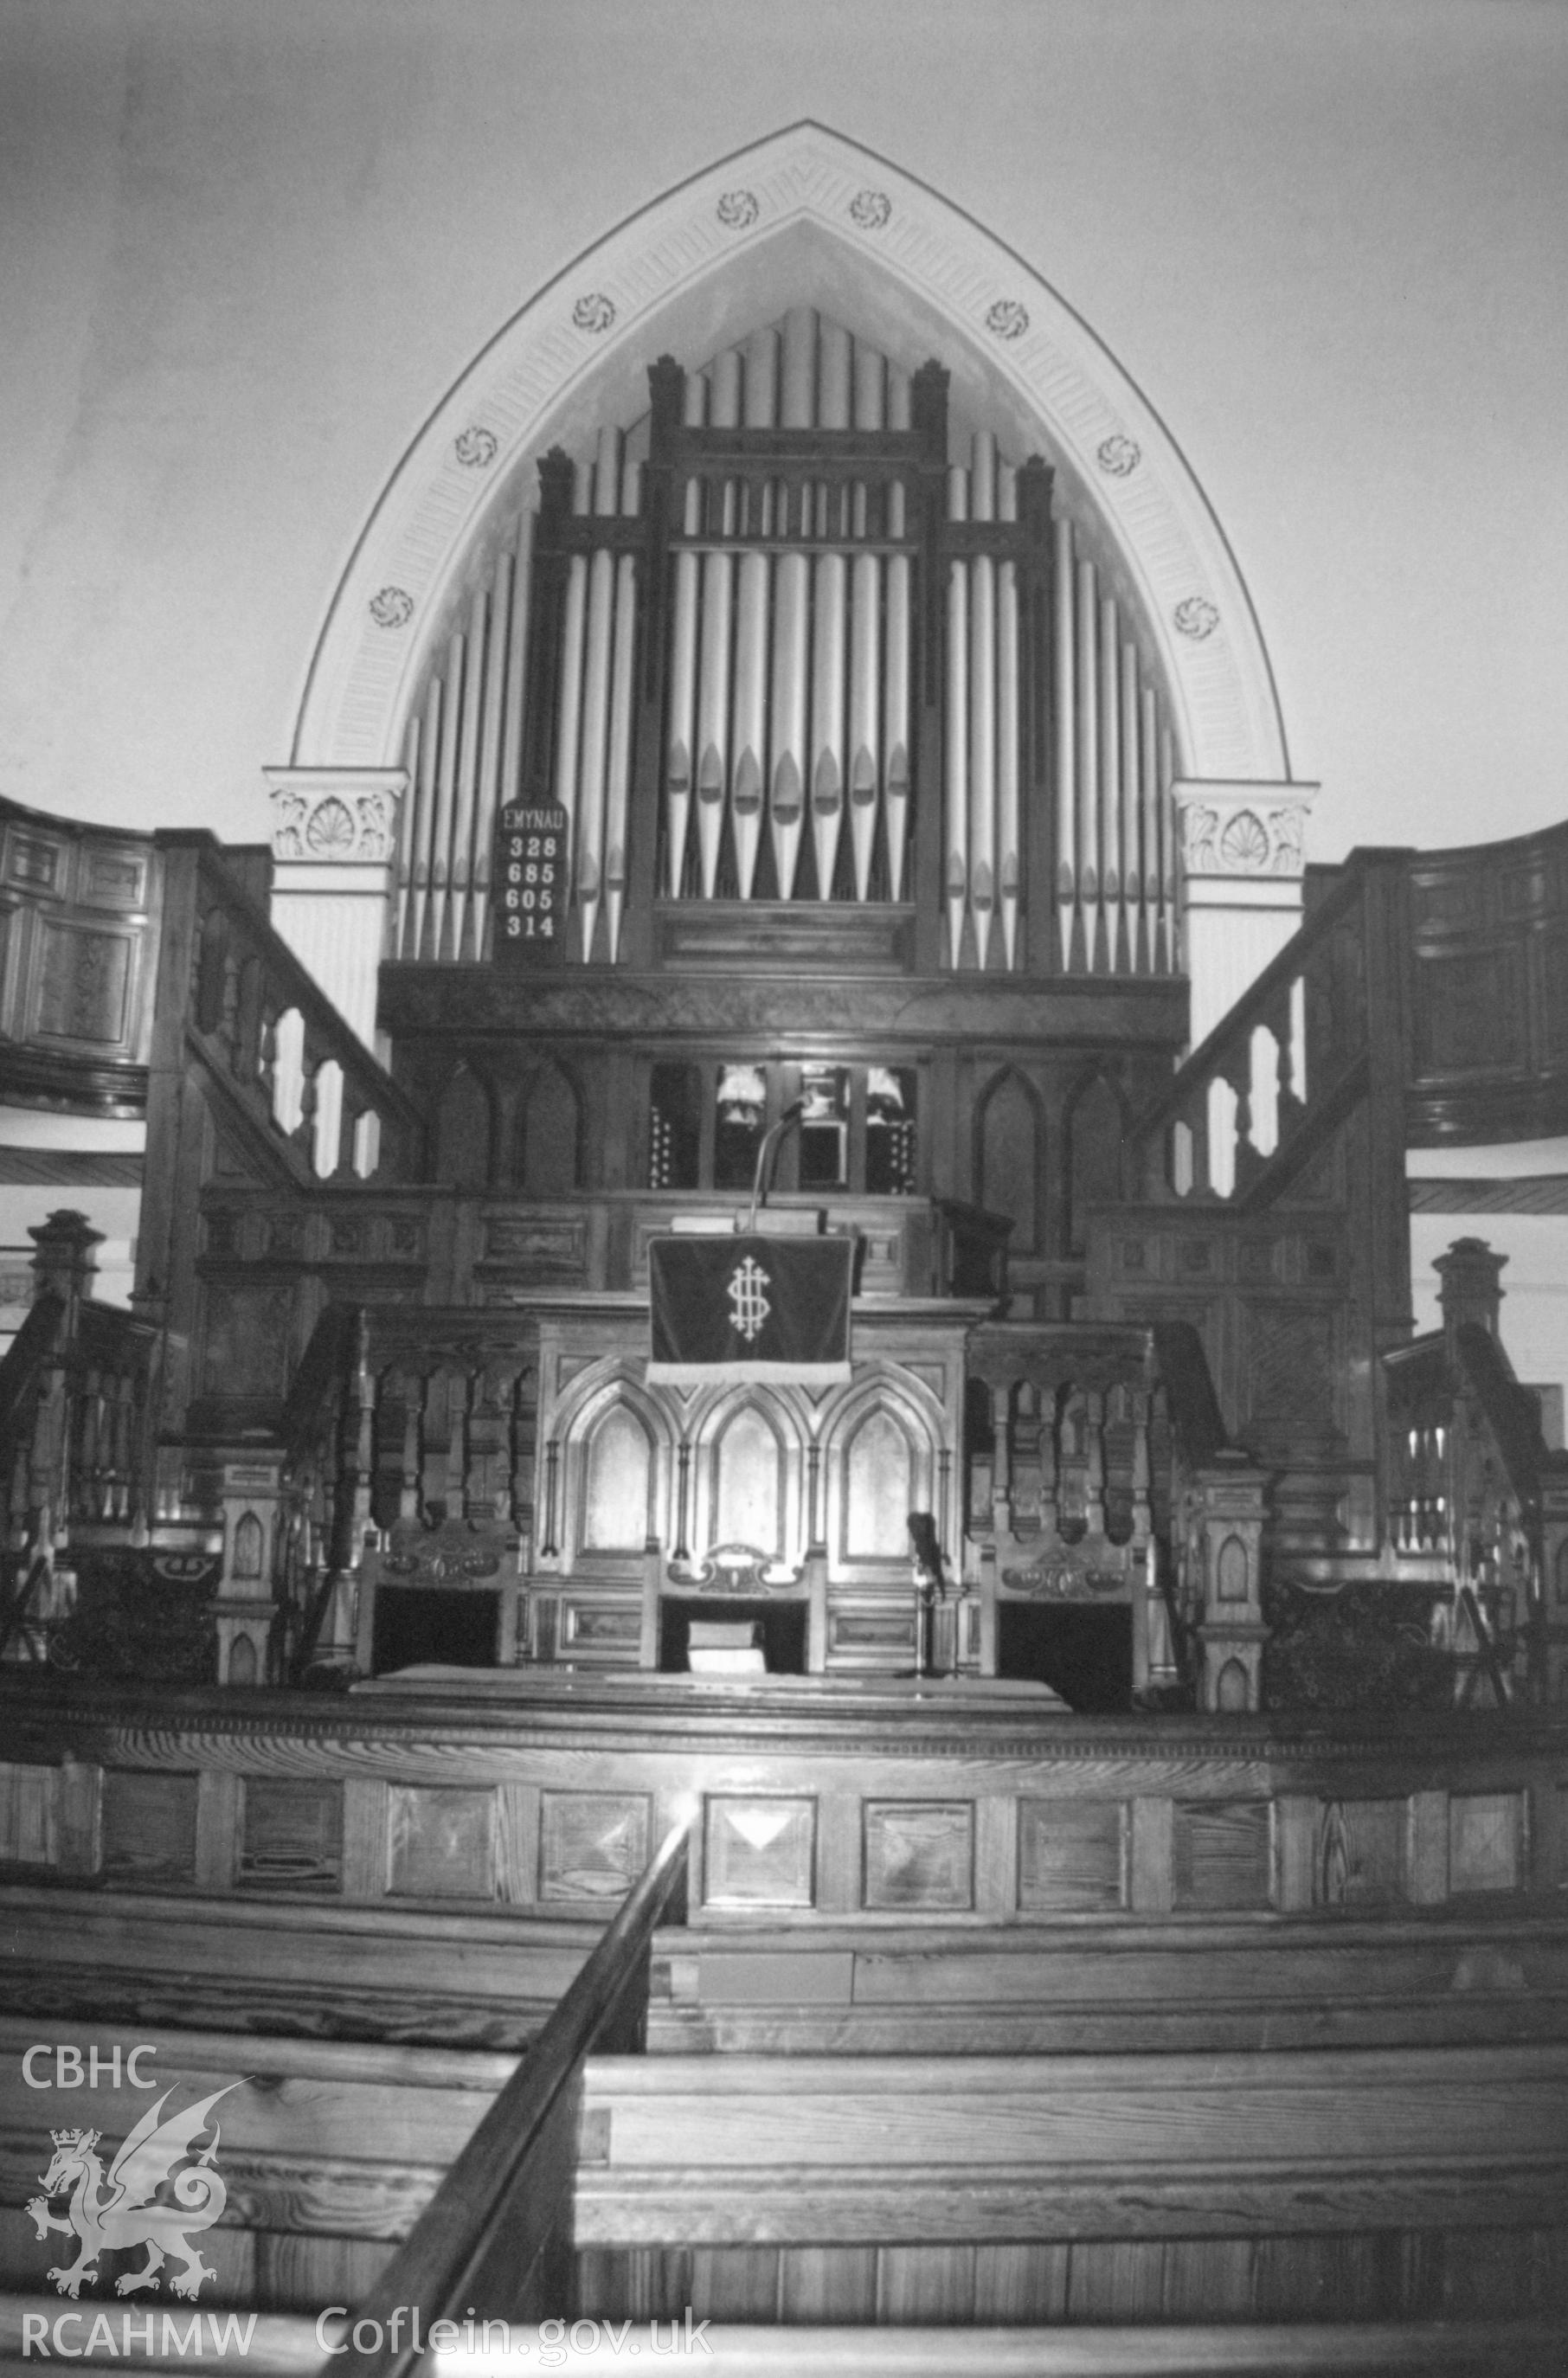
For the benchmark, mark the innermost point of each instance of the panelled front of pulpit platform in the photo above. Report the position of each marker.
(786, 1506)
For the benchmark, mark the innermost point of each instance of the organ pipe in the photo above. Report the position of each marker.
(1086, 765)
(982, 704)
(682, 691)
(458, 925)
(404, 938)
(865, 685)
(497, 647)
(828, 575)
(713, 713)
(1135, 950)
(797, 394)
(788, 692)
(1110, 785)
(446, 797)
(896, 712)
(792, 596)
(955, 865)
(833, 375)
(617, 779)
(750, 712)
(1064, 674)
(1010, 865)
(595, 743)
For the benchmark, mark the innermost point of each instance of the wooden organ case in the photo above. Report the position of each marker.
(864, 800)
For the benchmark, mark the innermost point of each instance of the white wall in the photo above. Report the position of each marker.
(247, 246)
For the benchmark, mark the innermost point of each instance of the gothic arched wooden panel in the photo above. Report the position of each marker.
(463, 1133)
(746, 1483)
(617, 1480)
(880, 1469)
(1096, 1125)
(1008, 1170)
(549, 1142)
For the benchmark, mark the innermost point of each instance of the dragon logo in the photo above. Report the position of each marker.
(108, 2212)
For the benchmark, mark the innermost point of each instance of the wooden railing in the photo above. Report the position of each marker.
(1473, 1490)
(497, 2233)
(1109, 1475)
(1304, 1046)
(269, 1035)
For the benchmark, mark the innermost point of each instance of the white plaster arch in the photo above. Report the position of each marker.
(803, 217)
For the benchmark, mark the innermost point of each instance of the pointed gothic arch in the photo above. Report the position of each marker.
(804, 216)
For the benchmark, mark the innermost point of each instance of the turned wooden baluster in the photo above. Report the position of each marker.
(1050, 1511)
(1138, 1403)
(303, 1135)
(1237, 1073)
(1002, 1458)
(267, 1058)
(1095, 1460)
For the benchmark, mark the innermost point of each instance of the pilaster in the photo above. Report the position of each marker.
(334, 871)
(1243, 852)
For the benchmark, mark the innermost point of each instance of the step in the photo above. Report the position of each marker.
(288, 2347)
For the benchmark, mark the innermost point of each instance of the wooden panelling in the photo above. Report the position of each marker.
(1071, 1855)
(1221, 1853)
(293, 1834)
(442, 1844)
(29, 1834)
(1360, 1853)
(759, 1852)
(591, 1845)
(1486, 1841)
(919, 1854)
(149, 1827)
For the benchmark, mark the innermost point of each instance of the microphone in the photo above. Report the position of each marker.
(770, 1140)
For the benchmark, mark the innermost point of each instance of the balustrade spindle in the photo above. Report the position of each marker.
(1002, 1455)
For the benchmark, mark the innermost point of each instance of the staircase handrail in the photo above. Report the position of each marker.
(368, 1086)
(1510, 1410)
(1251, 1009)
(1197, 1424)
(502, 2215)
(24, 1358)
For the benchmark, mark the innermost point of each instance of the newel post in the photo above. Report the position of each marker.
(1225, 1501)
(246, 1610)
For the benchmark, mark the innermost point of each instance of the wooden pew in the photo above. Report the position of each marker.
(1383, 2183)
(328, 2151)
(1458, 1976)
(261, 1962)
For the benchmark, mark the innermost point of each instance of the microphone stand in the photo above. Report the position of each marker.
(766, 1154)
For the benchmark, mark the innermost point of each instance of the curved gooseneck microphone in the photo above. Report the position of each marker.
(766, 1153)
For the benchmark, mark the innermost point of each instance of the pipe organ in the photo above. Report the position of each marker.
(775, 647)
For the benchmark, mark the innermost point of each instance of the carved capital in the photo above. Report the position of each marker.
(335, 816)
(1243, 829)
